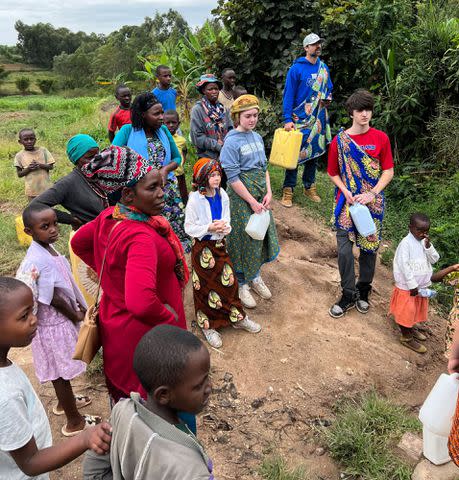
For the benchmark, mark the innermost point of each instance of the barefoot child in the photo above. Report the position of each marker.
(61, 308)
(172, 122)
(215, 287)
(26, 448)
(122, 115)
(413, 262)
(33, 164)
(150, 440)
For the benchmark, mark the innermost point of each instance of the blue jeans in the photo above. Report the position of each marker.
(308, 177)
(241, 279)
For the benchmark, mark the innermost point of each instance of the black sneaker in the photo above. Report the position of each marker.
(339, 309)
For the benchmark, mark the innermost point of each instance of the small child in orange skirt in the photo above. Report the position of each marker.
(413, 271)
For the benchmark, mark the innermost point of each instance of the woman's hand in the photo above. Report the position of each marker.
(257, 207)
(414, 292)
(364, 198)
(267, 201)
(164, 172)
(349, 197)
(76, 223)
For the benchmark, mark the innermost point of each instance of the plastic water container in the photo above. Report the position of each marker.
(427, 293)
(23, 239)
(435, 447)
(286, 148)
(258, 224)
(362, 219)
(437, 412)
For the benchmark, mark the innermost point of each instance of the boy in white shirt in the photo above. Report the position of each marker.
(413, 271)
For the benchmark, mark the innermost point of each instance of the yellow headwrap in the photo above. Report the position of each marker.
(243, 103)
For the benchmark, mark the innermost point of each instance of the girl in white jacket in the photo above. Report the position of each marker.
(215, 287)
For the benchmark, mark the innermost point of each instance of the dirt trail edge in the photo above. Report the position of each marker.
(272, 390)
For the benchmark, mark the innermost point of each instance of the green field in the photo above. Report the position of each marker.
(55, 120)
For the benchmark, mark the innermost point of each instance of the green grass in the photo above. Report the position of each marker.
(276, 468)
(8, 87)
(364, 434)
(54, 123)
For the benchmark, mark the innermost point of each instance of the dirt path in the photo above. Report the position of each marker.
(272, 389)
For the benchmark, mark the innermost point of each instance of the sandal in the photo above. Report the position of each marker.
(80, 400)
(90, 421)
(410, 342)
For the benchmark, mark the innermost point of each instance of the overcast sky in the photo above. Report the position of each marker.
(100, 16)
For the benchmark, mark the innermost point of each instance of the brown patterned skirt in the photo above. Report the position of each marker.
(215, 287)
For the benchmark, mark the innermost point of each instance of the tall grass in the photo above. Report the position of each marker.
(276, 468)
(364, 434)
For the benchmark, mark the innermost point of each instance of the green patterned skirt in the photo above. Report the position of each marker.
(247, 254)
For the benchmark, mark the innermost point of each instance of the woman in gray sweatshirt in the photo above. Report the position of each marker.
(249, 189)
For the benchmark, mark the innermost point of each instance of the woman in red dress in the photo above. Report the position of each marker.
(144, 273)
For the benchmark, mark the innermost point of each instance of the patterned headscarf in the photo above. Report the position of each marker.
(205, 79)
(78, 145)
(115, 168)
(201, 172)
(243, 103)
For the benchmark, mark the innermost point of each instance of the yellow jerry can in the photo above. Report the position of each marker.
(24, 239)
(286, 148)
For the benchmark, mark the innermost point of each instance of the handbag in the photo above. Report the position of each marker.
(88, 342)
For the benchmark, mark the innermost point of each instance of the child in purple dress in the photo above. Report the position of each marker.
(60, 309)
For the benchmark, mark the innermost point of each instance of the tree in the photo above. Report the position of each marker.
(271, 32)
(40, 43)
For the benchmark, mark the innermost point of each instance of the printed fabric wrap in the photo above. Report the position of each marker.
(246, 253)
(215, 287)
(216, 114)
(453, 439)
(315, 127)
(162, 226)
(359, 173)
(452, 279)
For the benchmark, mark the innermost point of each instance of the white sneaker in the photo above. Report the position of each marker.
(247, 325)
(259, 286)
(213, 337)
(246, 297)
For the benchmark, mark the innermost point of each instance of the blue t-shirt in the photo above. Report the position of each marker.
(216, 209)
(166, 97)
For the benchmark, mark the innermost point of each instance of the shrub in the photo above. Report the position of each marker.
(22, 84)
(46, 85)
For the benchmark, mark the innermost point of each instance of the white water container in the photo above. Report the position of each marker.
(362, 219)
(435, 447)
(258, 224)
(437, 412)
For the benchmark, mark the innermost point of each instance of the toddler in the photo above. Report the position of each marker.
(33, 164)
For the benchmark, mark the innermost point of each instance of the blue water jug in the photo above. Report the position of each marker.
(362, 219)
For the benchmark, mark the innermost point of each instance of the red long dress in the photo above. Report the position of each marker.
(137, 281)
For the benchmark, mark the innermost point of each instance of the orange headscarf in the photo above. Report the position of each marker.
(201, 171)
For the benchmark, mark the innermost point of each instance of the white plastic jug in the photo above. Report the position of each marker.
(435, 448)
(258, 224)
(437, 412)
(362, 219)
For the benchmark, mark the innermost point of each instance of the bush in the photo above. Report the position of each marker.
(46, 85)
(22, 84)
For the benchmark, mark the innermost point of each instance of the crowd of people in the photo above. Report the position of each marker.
(134, 222)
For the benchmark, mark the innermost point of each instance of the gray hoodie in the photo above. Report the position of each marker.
(242, 151)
